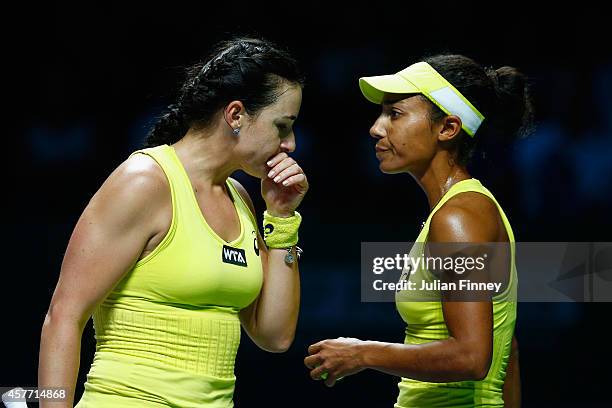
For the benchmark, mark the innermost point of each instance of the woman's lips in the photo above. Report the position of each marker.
(380, 152)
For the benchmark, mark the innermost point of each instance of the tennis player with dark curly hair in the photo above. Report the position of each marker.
(167, 257)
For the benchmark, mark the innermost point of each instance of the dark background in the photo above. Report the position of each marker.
(84, 84)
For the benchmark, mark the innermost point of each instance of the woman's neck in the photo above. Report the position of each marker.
(441, 175)
(207, 158)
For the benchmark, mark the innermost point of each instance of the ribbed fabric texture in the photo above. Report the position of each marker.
(204, 345)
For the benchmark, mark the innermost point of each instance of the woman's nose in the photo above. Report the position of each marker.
(377, 130)
(288, 143)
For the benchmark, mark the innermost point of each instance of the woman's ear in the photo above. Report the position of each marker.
(451, 127)
(233, 113)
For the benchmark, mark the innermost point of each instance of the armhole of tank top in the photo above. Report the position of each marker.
(235, 192)
(500, 296)
(171, 230)
(504, 295)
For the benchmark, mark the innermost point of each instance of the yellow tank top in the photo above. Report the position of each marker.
(168, 333)
(425, 323)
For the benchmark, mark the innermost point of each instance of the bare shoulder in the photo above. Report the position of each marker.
(135, 190)
(466, 217)
(139, 175)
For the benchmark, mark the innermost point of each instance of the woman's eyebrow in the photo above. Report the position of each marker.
(390, 105)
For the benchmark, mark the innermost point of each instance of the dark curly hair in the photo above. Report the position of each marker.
(247, 69)
(502, 95)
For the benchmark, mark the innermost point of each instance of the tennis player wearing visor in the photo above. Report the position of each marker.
(462, 353)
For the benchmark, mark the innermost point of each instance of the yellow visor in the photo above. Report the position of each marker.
(421, 78)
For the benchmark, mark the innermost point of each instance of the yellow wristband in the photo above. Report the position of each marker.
(281, 232)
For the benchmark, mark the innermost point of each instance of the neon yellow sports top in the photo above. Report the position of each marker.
(425, 323)
(168, 333)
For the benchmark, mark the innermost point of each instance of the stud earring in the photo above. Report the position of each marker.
(236, 131)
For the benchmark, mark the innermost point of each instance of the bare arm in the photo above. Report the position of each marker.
(512, 385)
(107, 240)
(465, 355)
(270, 321)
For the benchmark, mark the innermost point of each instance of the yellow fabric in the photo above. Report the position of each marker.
(422, 78)
(168, 333)
(425, 323)
(281, 232)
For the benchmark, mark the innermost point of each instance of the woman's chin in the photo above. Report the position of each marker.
(259, 171)
(384, 167)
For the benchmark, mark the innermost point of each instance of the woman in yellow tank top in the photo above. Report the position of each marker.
(167, 257)
(459, 353)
